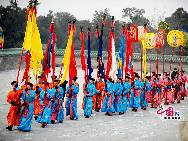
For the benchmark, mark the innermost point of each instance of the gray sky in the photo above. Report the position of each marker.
(84, 9)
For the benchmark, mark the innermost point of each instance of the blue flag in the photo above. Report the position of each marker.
(121, 56)
(99, 58)
(90, 69)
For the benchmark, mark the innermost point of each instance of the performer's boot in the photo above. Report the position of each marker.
(9, 127)
(136, 109)
(52, 121)
(44, 125)
(109, 114)
(60, 121)
(144, 108)
(35, 117)
(86, 116)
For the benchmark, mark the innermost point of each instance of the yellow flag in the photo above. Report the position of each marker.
(32, 42)
(28, 32)
(147, 43)
(176, 38)
(66, 59)
(36, 48)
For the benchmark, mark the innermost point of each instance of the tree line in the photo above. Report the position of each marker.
(13, 23)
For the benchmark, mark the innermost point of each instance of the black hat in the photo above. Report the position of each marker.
(39, 76)
(137, 76)
(100, 76)
(56, 80)
(109, 78)
(119, 78)
(13, 82)
(127, 77)
(65, 82)
(127, 74)
(75, 78)
(30, 84)
(92, 79)
(53, 76)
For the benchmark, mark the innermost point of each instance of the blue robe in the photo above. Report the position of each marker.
(46, 106)
(143, 101)
(88, 104)
(136, 90)
(27, 111)
(108, 105)
(125, 101)
(118, 89)
(57, 105)
(67, 103)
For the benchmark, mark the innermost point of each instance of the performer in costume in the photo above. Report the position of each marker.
(88, 94)
(57, 103)
(108, 104)
(143, 100)
(168, 90)
(125, 95)
(155, 92)
(38, 88)
(71, 101)
(13, 98)
(27, 109)
(184, 79)
(98, 98)
(148, 90)
(136, 92)
(46, 106)
(118, 89)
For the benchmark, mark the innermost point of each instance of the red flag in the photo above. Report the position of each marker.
(83, 63)
(27, 66)
(50, 52)
(72, 66)
(109, 60)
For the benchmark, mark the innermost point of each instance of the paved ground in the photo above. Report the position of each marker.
(140, 126)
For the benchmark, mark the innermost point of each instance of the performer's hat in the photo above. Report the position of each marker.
(110, 79)
(175, 69)
(39, 76)
(92, 79)
(53, 76)
(30, 84)
(137, 76)
(56, 80)
(13, 82)
(100, 76)
(119, 78)
(128, 74)
(127, 77)
(75, 78)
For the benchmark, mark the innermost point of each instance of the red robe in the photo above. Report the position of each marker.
(13, 117)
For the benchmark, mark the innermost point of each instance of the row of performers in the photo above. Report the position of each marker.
(46, 104)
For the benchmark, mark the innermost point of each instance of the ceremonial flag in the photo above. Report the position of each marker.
(83, 63)
(27, 66)
(99, 58)
(111, 69)
(90, 69)
(72, 67)
(32, 41)
(1, 38)
(66, 58)
(50, 52)
(121, 58)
